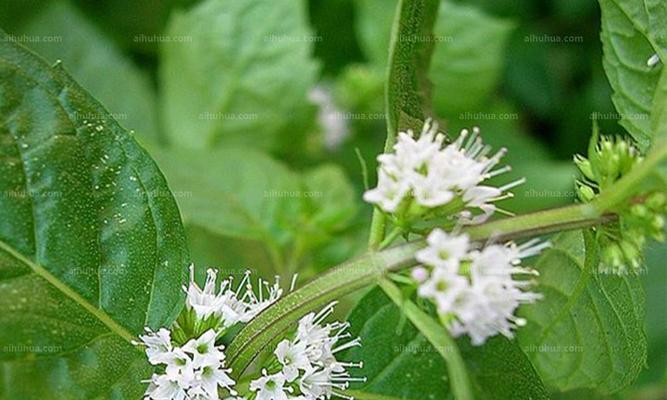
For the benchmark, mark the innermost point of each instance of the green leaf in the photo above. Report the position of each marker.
(392, 349)
(238, 192)
(587, 332)
(238, 72)
(243, 193)
(468, 57)
(330, 202)
(95, 62)
(91, 243)
(632, 32)
(654, 282)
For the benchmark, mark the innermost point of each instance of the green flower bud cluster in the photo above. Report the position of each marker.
(621, 242)
(607, 162)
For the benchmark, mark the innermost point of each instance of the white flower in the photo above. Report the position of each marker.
(163, 388)
(444, 288)
(230, 305)
(158, 345)
(205, 302)
(213, 376)
(195, 371)
(256, 303)
(180, 367)
(204, 350)
(444, 250)
(421, 170)
(270, 387)
(293, 358)
(476, 291)
(309, 360)
(389, 193)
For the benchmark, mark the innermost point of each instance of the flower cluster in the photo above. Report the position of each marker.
(475, 291)
(422, 176)
(305, 367)
(622, 242)
(194, 371)
(221, 307)
(189, 363)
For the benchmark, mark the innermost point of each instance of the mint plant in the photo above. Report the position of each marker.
(465, 294)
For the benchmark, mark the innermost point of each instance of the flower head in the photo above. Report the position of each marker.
(194, 371)
(223, 305)
(476, 291)
(422, 175)
(309, 368)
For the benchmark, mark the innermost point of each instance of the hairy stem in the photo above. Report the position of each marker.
(370, 268)
(438, 337)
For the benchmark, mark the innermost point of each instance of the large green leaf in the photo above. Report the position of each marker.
(587, 332)
(401, 363)
(632, 32)
(97, 64)
(91, 243)
(237, 72)
(468, 58)
(242, 193)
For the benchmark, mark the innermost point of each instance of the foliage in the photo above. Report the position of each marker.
(235, 164)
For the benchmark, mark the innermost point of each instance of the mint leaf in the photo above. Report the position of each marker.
(393, 349)
(468, 57)
(632, 32)
(91, 243)
(238, 72)
(587, 332)
(242, 193)
(97, 64)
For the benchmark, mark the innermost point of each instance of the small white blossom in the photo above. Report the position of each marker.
(293, 357)
(203, 350)
(475, 290)
(270, 387)
(158, 345)
(195, 371)
(230, 305)
(422, 171)
(444, 250)
(162, 388)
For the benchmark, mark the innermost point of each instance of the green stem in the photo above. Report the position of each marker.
(379, 219)
(396, 232)
(539, 223)
(368, 269)
(438, 337)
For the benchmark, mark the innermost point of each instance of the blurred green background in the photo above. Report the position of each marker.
(258, 115)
